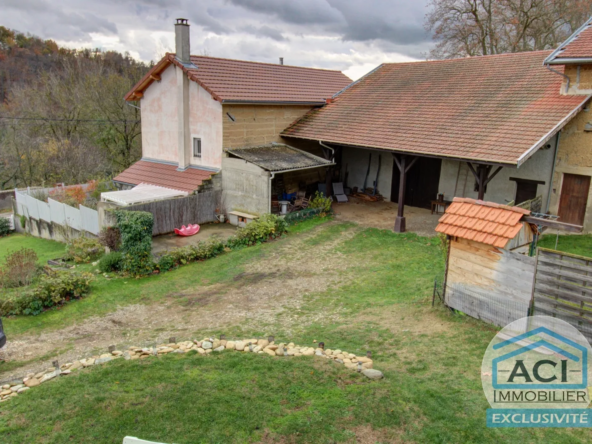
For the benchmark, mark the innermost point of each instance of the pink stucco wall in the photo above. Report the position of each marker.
(159, 122)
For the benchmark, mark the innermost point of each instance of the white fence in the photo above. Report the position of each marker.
(80, 219)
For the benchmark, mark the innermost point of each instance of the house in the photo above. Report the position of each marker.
(503, 128)
(194, 108)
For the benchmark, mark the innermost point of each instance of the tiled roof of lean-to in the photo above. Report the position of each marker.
(577, 46)
(164, 175)
(497, 109)
(480, 221)
(241, 81)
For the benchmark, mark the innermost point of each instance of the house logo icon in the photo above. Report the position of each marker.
(535, 373)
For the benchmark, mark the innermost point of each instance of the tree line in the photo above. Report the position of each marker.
(62, 113)
(462, 28)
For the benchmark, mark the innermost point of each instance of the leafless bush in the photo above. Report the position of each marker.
(20, 267)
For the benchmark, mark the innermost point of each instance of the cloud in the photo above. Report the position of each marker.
(350, 35)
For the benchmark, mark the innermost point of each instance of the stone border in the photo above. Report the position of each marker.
(362, 364)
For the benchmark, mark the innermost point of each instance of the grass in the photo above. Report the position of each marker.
(431, 361)
(45, 249)
(575, 244)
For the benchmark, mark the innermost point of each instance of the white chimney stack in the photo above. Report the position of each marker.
(182, 47)
(184, 56)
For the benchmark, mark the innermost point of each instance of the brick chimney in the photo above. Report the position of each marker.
(182, 50)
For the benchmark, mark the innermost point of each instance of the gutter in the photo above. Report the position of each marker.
(568, 61)
(562, 75)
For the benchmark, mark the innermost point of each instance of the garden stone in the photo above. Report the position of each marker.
(5, 392)
(257, 349)
(206, 345)
(103, 359)
(308, 352)
(117, 353)
(16, 387)
(22, 390)
(339, 361)
(372, 374)
(5, 386)
(262, 343)
(49, 376)
(126, 356)
(219, 349)
(269, 351)
(319, 353)
(32, 382)
(240, 345)
(208, 351)
(367, 365)
(201, 351)
(179, 351)
(165, 350)
(75, 365)
(216, 343)
(291, 352)
(272, 347)
(363, 359)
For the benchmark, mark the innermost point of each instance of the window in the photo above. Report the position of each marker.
(196, 147)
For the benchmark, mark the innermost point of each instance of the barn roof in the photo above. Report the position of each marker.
(498, 109)
(241, 81)
(481, 221)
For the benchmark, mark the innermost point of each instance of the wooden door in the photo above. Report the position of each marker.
(423, 180)
(574, 198)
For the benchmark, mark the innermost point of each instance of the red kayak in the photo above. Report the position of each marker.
(188, 230)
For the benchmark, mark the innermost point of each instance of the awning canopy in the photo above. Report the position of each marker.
(142, 193)
(279, 158)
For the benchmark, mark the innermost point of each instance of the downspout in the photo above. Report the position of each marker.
(329, 148)
(271, 177)
(562, 75)
(552, 172)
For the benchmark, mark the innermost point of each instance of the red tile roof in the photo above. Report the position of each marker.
(480, 221)
(498, 108)
(242, 81)
(163, 175)
(578, 46)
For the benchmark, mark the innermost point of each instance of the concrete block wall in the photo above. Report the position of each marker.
(245, 187)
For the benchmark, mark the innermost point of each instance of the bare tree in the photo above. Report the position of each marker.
(464, 28)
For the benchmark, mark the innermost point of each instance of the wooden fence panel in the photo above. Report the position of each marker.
(563, 288)
(173, 213)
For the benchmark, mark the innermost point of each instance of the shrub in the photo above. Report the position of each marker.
(320, 201)
(268, 226)
(20, 267)
(83, 250)
(136, 241)
(111, 262)
(197, 252)
(23, 219)
(110, 237)
(4, 226)
(54, 289)
(166, 262)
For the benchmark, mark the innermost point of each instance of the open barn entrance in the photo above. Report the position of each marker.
(423, 179)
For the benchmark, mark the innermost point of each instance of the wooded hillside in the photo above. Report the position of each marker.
(62, 113)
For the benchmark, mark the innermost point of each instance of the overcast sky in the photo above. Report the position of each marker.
(351, 35)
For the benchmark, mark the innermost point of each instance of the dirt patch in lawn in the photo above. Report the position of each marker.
(268, 295)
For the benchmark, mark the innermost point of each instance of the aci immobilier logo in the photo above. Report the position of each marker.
(535, 373)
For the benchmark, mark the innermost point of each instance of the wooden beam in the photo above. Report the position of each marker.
(493, 175)
(551, 223)
(404, 165)
(138, 95)
(155, 77)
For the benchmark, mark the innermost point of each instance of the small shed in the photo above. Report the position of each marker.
(486, 270)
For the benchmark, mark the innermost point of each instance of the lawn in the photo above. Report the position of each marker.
(356, 289)
(45, 249)
(575, 244)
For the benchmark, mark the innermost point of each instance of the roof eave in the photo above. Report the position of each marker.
(402, 151)
(526, 155)
(270, 102)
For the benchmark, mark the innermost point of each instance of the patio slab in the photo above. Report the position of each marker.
(165, 242)
(382, 215)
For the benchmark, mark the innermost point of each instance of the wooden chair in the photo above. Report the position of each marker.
(300, 203)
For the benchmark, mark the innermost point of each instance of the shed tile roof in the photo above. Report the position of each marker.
(279, 157)
(498, 109)
(163, 175)
(251, 82)
(480, 221)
